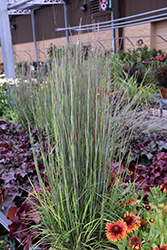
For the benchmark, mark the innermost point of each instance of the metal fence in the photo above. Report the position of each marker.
(29, 55)
(122, 22)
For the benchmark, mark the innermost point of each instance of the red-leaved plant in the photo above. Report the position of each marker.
(26, 216)
(17, 163)
(143, 176)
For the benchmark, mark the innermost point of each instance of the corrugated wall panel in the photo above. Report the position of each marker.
(23, 31)
(132, 7)
(47, 19)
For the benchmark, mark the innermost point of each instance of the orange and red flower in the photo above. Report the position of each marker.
(137, 247)
(147, 207)
(122, 202)
(164, 187)
(127, 202)
(164, 247)
(151, 220)
(116, 230)
(143, 223)
(130, 201)
(165, 209)
(132, 221)
(135, 243)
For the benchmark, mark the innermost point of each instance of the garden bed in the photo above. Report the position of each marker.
(85, 162)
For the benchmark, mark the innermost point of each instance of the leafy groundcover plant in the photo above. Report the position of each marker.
(90, 114)
(144, 177)
(147, 159)
(17, 164)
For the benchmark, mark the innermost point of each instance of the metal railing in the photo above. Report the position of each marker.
(121, 23)
(117, 23)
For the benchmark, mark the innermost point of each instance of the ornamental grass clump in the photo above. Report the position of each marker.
(3, 97)
(86, 111)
